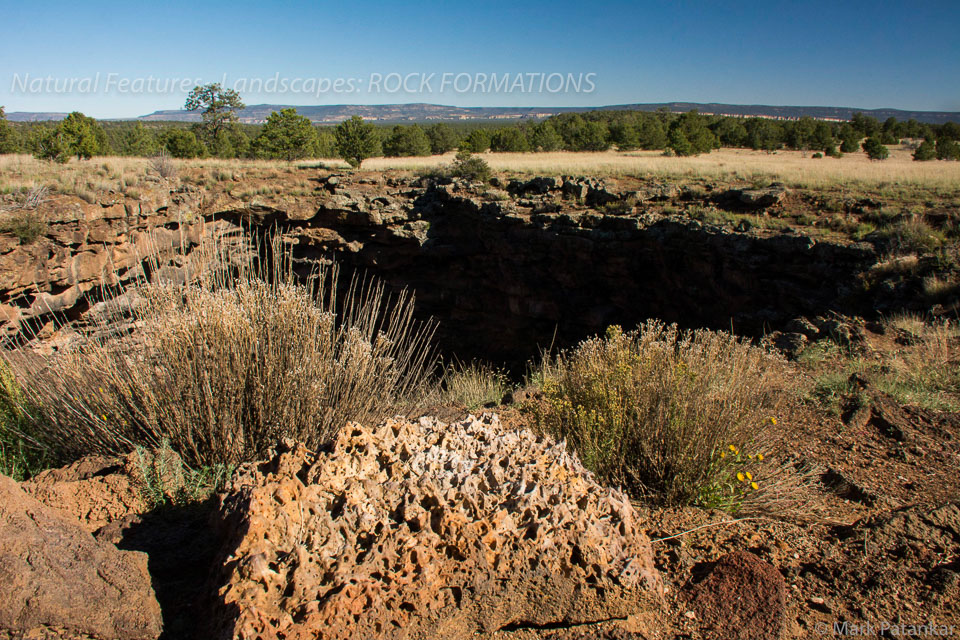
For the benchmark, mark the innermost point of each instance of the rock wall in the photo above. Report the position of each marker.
(506, 271)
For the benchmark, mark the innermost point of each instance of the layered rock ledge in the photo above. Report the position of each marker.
(506, 270)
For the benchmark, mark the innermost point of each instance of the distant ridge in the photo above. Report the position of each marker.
(422, 112)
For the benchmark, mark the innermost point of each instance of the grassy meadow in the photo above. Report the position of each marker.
(794, 168)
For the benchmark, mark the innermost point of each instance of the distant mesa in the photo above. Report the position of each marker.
(422, 112)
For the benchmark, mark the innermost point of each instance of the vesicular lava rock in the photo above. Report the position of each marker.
(424, 530)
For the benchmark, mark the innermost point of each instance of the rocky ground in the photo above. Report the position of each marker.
(481, 529)
(476, 527)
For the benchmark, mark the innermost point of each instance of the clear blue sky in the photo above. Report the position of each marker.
(860, 54)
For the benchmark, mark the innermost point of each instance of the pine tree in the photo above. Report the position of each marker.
(181, 143)
(947, 149)
(286, 135)
(875, 149)
(219, 107)
(356, 141)
(509, 139)
(926, 151)
(544, 137)
(849, 139)
(477, 141)
(407, 141)
(442, 138)
(139, 141)
(8, 135)
(79, 135)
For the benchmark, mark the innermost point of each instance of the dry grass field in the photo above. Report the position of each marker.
(792, 167)
(798, 169)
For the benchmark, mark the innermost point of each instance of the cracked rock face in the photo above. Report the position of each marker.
(427, 530)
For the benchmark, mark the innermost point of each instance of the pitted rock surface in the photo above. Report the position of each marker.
(94, 490)
(427, 530)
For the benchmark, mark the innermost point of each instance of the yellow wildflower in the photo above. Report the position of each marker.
(732, 448)
(739, 476)
(760, 457)
(754, 485)
(773, 420)
(749, 476)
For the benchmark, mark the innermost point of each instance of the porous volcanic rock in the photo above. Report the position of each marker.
(742, 598)
(57, 581)
(427, 530)
(94, 490)
(100, 490)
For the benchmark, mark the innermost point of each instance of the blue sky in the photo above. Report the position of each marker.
(859, 54)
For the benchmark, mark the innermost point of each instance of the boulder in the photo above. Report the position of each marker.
(56, 580)
(99, 490)
(426, 530)
(575, 190)
(742, 598)
(763, 198)
(94, 491)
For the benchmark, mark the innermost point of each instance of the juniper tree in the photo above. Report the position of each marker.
(356, 141)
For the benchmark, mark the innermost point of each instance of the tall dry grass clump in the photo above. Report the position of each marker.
(474, 385)
(225, 366)
(680, 417)
(926, 369)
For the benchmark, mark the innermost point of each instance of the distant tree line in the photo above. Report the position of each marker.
(287, 135)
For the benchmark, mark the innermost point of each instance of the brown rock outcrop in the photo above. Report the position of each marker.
(57, 581)
(560, 259)
(427, 530)
(94, 490)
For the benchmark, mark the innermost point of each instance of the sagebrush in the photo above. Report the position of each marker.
(670, 415)
(226, 365)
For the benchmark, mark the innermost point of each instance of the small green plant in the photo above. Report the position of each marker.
(19, 458)
(618, 207)
(164, 481)
(833, 388)
(28, 226)
(924, 371)
(736, 475)
(470, 167)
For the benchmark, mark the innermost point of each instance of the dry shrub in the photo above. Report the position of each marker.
(941, 290)
(163, 165)
(896, 265)
(475, 385)
(913, 236)
(670, 415)
(226, 366)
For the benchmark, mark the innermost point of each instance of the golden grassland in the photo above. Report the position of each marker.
(795, 168)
